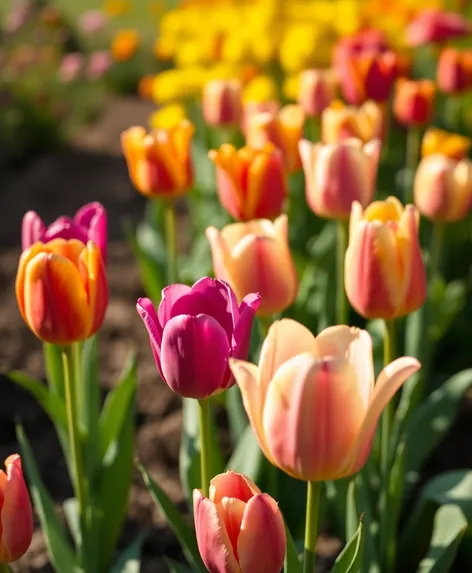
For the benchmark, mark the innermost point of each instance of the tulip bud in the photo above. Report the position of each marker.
(433, 25)
(312, 402)
(194, 332)
(16, 513)
(317, 89)
(443, 188)
(283, 130)
(250, 182)
(62, 291)
(159, 162)
(338, 174)
(253, 108)
(384, 272)
(451, 145)
(239, 529)
(339, 122)
(221, 103)
(414, 101)
(255, 257)
(454, 72)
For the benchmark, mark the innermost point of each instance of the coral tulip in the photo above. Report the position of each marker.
(88, 224)
(159, 162)
(251, 183)
(337, 174)
(62, 291)
(436, 26)
(16, 513)
(255, 257)
(317, 89)
(194, 332)
(454, 73)
(339, 122)
(439, 141)
(239, 529)
(414, 101)
(221, 104)
(443, 188)
(384, 271)
(312, 402)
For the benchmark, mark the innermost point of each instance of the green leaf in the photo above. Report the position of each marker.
(129, 560)
(450, 525)
(352, 513)
(60, 552)
(184, 534)
(350, 559)
(54, 371)
(292, 563)
(175, 567)
(247, 456)
(90, 405)
(71, 512)
(237, 416)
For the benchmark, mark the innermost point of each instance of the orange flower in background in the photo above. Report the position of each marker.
(340, 121)
(384, 271)
(221, 104)
(414, 101)
(124, 44)
(250, 182)
(317, 89)
(454, 72)
(114, 8)
(145, 86)
(440, 141)
(62, 291)
(159, 162)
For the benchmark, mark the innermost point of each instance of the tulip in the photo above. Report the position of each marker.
(250, 182)
(414, 101)
(62, 291)
(439, 141)
(255, 257)
(284, 130)
(239, 529)
(384, 271)
(443, 188)
(159, 162)
(71, 66)
(125, 44)
(221, 103)
(16, 513)
(88, 224)
(252, 108)
(433, 25)
(194, 332)
(317, 89)
(337, 174)
(339, 122)
(454, 72)
(366, 42)
(312, 402)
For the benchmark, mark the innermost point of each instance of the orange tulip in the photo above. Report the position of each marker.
(414, 101)
(255, 257)
(443, 188)
(439, 141)
(284, 130)
(124, 44)
(221, 103)
(62, 291)
(250, 182)
(312, 402)
(339, 121)
(159, 162)
(384, 271)
(317, 90)
(454, 73)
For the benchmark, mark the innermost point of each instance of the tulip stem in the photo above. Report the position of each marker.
(171, 240)
(204, 414)
(413, 142)
(311, 526)
(341, 301)
(4, 568)
(436, 250)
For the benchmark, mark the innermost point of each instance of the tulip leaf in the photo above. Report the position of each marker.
(247, 456)
(237, 416)
(175, 567)
(71, 513)
(450, 525)
(184, 534)
(60, 552)
(54, 370)
(129, 560)
(90, 404)
(292, 563)
(350, 559)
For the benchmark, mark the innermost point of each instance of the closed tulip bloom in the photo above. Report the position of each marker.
(239, 529)
(370, 41)
(284, 130)
(16, 513)
(62, 291)
(252, 108)
(255, 257)
(384, 272)
(337, 174)
(454, 72)
(313, 403)
(436, 26)
(194, 332)
(221, 103)
(317, 89)
(159, 162)
(88, 224)
(251, 183)
(440, 141)
(443, 188)
(414, 101)
(339, 121)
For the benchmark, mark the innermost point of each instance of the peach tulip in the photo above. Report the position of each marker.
(312, 402)
(252, 108)
(221, 104)
(255, 257)
(439, 141)
(316, 91)
(339, 121)
(384, 272)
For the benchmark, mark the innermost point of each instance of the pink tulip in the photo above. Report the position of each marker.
(239, 529)
(252, 108)
(98, 65)
(221, 103)
(194, 332)
(433, 25)
(312, 402)
(317, 90)
(71, 66)
(92, 21)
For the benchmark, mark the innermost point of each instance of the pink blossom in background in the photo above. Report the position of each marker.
(92, 21)
(70, 67)
(98, 64)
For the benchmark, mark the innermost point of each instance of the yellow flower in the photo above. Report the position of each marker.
(260, 89)
(167, 117)
(124, 44)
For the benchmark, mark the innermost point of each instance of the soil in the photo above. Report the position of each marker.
(57, 183)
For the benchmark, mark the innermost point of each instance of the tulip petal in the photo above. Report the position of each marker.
(232, 484)
(67, 229)
(242, 329)
(170, 295)
(231, 511)
(32, 229)
(92, 270)
(148, 314)
(219, 253)
(93, 217)
(262, 541)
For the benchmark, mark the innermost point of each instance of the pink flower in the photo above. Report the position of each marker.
(92, 21)
(70, 67)
(99, 64)
(434, 25)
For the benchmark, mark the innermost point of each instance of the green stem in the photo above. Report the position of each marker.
(454, 112)
(413, 143)
(437, 241)
(5, 568)
(205, 447)
(311, 526)
(171, 241)
(341, 301)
